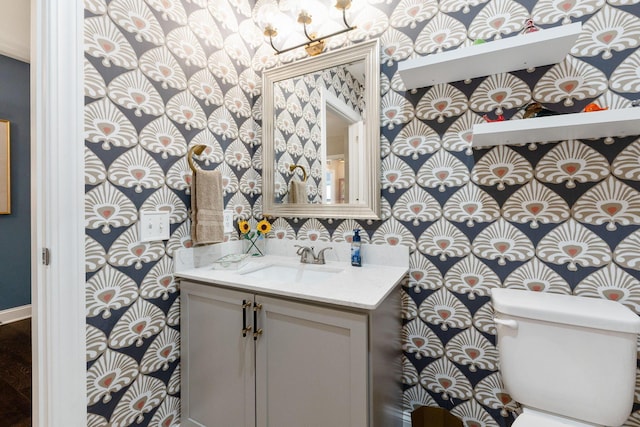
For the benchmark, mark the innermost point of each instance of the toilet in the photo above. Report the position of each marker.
(568, 360)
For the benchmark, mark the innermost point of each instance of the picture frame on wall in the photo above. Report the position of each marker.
(5, 167)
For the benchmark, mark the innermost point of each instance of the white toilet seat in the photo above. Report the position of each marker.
(534, 418)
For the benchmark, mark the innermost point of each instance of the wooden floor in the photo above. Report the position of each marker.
(15, 374)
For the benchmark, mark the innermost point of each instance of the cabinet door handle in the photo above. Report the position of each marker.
(245, 304)
(258, 331)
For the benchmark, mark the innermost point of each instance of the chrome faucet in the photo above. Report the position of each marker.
(308, 256)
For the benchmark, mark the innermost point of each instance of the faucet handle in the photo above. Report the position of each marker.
(320, 257)
(301, 248)
(304, 252)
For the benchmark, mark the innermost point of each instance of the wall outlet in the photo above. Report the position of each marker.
(154, 226)
(228, 221)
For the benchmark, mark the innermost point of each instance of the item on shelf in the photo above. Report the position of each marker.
(622, 122)
(635, 103)
(593, 107)
(487, 119)
(535, 109)
(479, 41)
(529, 27)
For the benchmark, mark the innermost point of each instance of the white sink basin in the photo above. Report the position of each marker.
(303, 273)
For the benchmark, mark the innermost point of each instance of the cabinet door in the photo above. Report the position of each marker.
(311, 366)
(218, 376)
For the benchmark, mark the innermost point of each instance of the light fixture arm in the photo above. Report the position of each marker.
(306, 34)
(344, 19)
(272, 46)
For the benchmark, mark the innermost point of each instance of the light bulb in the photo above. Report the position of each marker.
(266, 15)
(355, 6)
(318, 12)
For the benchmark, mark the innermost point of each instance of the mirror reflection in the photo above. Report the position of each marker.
(321, 135)
(318, 123)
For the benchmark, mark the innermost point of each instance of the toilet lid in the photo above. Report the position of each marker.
(533, 418)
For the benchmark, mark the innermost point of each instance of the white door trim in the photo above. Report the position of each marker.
(57, 219)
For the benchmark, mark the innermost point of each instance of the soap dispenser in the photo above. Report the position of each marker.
(356, 257)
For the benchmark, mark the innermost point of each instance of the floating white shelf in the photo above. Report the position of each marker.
(543, 47)
(596, 124)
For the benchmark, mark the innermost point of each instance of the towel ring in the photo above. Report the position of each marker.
(304, 172)
(197, 150)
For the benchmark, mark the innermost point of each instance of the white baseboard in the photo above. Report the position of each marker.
(14, 314)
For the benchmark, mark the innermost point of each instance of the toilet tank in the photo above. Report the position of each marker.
(571, 356)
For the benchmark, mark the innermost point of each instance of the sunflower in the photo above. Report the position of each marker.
(264, 226)
(244, 227)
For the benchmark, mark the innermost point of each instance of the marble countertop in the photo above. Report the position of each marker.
(353, 287)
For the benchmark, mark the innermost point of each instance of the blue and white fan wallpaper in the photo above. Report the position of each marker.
(561, 216)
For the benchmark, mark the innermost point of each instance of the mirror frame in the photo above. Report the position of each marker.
(369, 52)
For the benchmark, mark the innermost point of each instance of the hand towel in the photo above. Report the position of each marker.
(207, 220)
(298, 192)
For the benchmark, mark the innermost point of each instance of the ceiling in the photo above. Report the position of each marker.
(15, 25)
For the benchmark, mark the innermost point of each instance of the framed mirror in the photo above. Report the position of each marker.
(321, 135)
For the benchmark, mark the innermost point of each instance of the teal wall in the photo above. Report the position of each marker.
(15, 228)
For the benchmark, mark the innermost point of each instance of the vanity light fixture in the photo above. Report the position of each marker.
(315, 44)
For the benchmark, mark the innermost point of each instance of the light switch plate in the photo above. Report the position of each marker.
(228, 221)
(154, 226)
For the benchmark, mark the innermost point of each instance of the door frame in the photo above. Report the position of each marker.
(57, 214)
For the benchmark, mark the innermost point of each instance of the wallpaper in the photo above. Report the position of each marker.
(552, 216)
(299, 128)
(159, 76)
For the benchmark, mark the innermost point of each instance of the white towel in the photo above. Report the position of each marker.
(207, 220)
(298, 192)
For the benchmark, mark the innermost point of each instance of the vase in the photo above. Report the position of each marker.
(254, 245)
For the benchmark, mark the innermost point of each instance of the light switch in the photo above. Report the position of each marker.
(228, 221)
(154, 226)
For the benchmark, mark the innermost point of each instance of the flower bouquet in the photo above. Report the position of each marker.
(254, 239)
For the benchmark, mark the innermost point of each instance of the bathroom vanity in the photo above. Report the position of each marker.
(279, 343)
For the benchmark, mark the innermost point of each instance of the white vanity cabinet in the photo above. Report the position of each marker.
(217, 363)
(300, 365)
